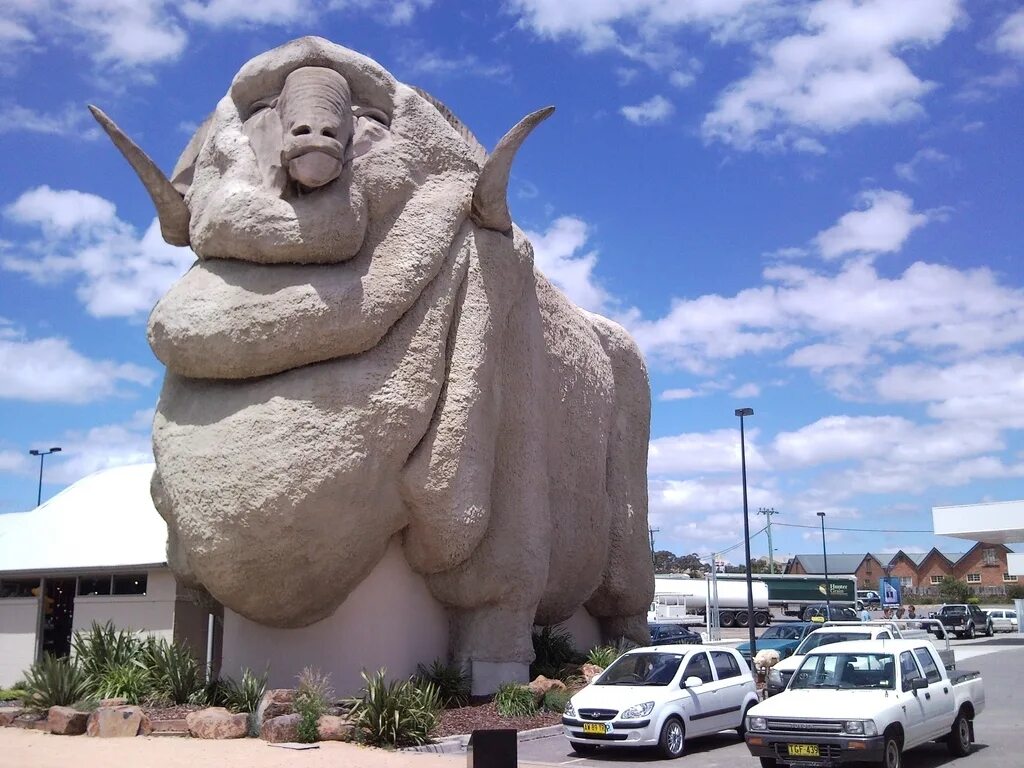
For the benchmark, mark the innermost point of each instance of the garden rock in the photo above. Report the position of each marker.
(590, 671)
(66, 721)
(541, 685)
(275, 702)
(7, 714)
(115, 702)
(334, 728)
(281, 728)
(217, 723)
(115, 722)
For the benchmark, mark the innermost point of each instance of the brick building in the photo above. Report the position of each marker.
(983, 567)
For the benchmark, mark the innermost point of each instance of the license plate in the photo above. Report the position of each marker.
(597, 728)
(803, 750)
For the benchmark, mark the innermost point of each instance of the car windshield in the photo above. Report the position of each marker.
(782, 632)
(816, 639)
(846, 671)
(642, 669)
(953, 609)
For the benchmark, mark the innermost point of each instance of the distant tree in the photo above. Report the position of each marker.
(666, 562)
(954, 590)
(759, 565)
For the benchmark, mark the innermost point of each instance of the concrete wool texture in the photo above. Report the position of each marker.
(362, 359)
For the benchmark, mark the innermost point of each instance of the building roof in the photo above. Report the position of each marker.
(841, 563)
(105, 520)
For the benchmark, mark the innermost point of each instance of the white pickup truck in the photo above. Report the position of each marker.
(866, 701)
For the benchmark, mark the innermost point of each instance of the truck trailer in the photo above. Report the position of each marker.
(675, 599)
(792, 593)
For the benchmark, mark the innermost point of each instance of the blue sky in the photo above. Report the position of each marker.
(811, 208)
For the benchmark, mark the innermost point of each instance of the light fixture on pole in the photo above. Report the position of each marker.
(42, 455)
(741, 412)
(824, 556)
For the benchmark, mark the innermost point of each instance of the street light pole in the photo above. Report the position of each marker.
(824, 555)
(741, 412)
(42, 455)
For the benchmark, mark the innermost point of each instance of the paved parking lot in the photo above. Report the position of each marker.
(999, 659)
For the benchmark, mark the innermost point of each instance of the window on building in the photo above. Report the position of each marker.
(988, 556)
(18, 587)
(937, 579)
(93, 585)
(907, 582)
(130, 584)
(973, 578)
(1008, 577)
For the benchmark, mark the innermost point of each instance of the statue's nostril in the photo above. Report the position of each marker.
(301, 130)
(330, 133)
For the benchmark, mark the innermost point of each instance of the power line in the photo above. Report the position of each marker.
(859, 530)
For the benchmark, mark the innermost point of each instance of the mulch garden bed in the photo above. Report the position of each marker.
(463, 720)
(171, 713)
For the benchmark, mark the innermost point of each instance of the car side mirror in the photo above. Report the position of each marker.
(915, 685)
(692, 682)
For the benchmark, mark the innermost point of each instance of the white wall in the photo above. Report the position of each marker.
(18, 620)
(390, 620)
(152, 612)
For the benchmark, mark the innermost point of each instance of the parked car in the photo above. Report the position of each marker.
(821, 612)
(903, 698)
(659, 697)
(780, 674)
(673, 634)
(1003, 620)
(868, 598)
(965, 620)
(783, 638)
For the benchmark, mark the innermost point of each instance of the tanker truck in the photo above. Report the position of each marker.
(675, 599)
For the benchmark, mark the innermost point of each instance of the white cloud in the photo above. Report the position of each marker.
(680, 394)
(72, 121)
(842, 70)
(50, 370)
(1009, 37)
(118, 274)
(222, 13)
(882, 225)
(438, 64)
(13, 32)
(656, 109)
(908, 170)
(701, 452)
(103, 447)
(14, 461)
(750, 389)
(556, 255)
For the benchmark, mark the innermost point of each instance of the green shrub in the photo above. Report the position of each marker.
(312, 698)
(556, 699)
(452, 683)
(243, 695)
(954, 590)
(54, 682)
(603, 655)
(554, 654)
(1015, 592)
(515, 700)
(177, 676)
(974, 600)
(131, 681)
(103, 647)
(10, 694)
(398, 713)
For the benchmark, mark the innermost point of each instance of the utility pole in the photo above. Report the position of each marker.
(651, 532)
(771, 552)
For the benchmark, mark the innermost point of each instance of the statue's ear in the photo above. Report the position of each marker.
(181, 176)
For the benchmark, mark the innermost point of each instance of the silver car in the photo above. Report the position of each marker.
(1003, 620)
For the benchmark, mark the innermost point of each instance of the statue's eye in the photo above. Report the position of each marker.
(372, 113)
(259, 106)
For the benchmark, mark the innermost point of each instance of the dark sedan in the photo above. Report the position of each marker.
(673, 634)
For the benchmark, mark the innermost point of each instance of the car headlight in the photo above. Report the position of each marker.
(637, 710)
(775, 678)
(756, 724)
(570, 710)
(860, 728)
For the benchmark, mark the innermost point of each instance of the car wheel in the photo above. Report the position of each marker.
(742, 619)
(673, 739)
(583, 749)
(959, 741)
(970, 632)
(742, 730)
(892, 752)
(727, 619)
(769, 762)
(761, 619)
(989, 630)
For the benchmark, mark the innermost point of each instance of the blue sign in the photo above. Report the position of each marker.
(889, 586)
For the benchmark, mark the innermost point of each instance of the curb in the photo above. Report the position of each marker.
(453, 745)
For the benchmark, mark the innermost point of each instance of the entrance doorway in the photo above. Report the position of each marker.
(58, 613)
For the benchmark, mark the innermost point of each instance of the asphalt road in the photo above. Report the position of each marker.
(998, 728)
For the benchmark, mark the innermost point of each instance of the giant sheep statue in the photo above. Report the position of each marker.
(364, 350)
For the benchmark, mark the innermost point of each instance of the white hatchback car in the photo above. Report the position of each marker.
(1003, 620)
(660, 696)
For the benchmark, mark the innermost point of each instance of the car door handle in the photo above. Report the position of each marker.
(945, 690)
(928, 696)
